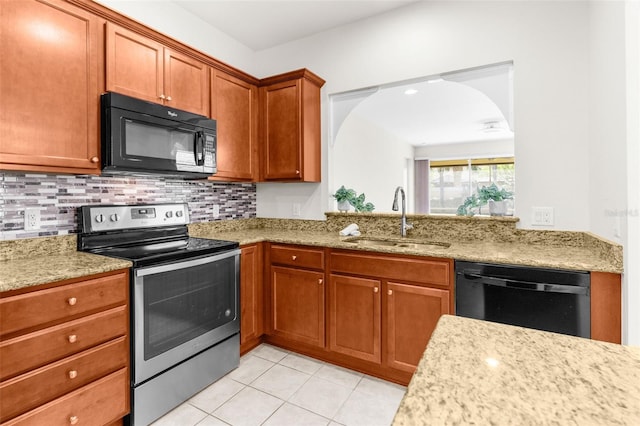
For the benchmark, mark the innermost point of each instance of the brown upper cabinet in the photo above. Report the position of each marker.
(290, 127)
(53, 75)
(140, 67)
(49, 88)
(234, 105)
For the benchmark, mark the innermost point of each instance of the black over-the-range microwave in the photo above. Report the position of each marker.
(140, 137)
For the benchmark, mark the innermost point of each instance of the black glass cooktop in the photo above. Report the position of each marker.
(155, 251)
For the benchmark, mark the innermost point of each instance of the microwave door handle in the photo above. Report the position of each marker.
(199, 148)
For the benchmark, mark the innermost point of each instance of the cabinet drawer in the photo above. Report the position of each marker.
(29, 310)
(297, 256)
(36, 349)
(427, 271)
(30, 390)
(96, 404)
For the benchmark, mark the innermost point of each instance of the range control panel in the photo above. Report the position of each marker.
(108, 218)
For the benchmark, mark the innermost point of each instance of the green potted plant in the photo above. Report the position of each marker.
(491, 195)
(360, 206)
(349, 197)
(344, 197)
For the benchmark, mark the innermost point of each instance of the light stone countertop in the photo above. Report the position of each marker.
(47, 260)
(478, 372)
(513, 253)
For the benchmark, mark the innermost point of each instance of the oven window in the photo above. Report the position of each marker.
(183, 304)
(167, 143)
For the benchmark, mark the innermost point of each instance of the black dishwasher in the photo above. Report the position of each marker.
(544, 299)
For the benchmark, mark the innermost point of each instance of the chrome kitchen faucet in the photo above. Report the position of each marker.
(404, 226)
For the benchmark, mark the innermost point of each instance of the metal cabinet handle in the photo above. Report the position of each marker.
(168, 98)
(320, 281)
(389, 292)
(72, 338)
(72, 301)
(73, 374)
(161, 97)
(73, 420)
(297, 172)
(294, 257)
(94, 160)
(375, 289)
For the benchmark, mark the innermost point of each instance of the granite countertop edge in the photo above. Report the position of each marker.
(569, 258)
(66, 263)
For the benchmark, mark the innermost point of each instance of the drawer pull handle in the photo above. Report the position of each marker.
(73, 374)
(72, 338)
(294, 257)
(73, 420)
(389, 292)
(72, 301)
(168, 98)
(95, 159)
(161, 96)
(320, 281)
(375, 289)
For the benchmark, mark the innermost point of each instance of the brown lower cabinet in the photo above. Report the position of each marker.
(64, 352)
(375, 315)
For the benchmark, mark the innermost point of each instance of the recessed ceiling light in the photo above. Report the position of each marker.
(435, 80)
(410, 92)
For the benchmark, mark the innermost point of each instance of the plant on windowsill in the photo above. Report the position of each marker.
(491, 195)
(349, 197)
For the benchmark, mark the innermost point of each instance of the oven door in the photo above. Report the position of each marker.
(182, 308)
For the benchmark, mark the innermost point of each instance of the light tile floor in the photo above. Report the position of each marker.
(274, 387)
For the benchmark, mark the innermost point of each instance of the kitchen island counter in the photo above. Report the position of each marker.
(478, 372)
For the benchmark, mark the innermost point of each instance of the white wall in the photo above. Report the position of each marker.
(631, 290)
(607, 120)
(370, 160)
(176, 22)
(547, 42)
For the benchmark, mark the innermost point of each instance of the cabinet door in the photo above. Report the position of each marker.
(412, 315)
(234, 106)
(251, 300)
(354, 317)
(134, 64)
(186, 83)
(297, 301)
(49, 88)
(282, 136)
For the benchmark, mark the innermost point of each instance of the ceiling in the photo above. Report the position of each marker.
(261, 24)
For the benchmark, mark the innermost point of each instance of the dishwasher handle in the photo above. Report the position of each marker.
(526, 285)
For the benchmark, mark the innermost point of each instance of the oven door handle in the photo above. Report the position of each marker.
(185, 264)
(526, 285)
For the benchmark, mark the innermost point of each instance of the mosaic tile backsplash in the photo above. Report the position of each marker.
(59, 196)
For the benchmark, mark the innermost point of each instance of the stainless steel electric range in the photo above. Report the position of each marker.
(185, 314)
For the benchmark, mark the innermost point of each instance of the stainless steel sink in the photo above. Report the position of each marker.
(403, 243)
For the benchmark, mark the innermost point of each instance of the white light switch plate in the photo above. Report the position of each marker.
(542, 216)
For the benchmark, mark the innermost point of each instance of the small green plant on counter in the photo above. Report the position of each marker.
(361, 206)
(486, 193)
(343, 194)
(350, 196)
